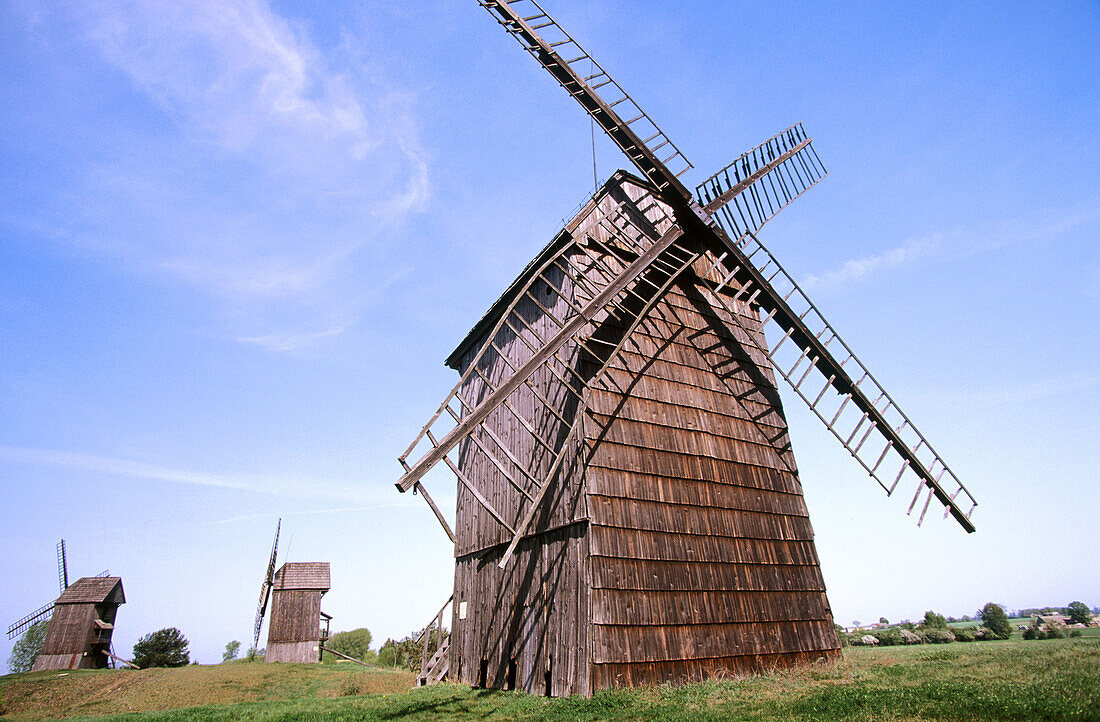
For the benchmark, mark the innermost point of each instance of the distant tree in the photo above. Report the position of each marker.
(883, 620)
(855, 623)
(254, 655)
(996, 621)
(405, 653)
(163, 648)
(934, 621)
(25, 651)
(1079, 613)
(964, 618)
(231, 650)
(355, 644)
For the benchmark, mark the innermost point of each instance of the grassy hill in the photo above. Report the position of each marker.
(1047, 679)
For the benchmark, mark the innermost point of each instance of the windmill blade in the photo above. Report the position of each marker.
(62, 567)
(858, 408)
(748, 192)
(638, 136)
(750, 282)
(37, 615)
(265, 587)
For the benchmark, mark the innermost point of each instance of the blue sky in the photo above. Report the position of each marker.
(237, 240)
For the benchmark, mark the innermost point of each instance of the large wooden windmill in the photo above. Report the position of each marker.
(629, 509)
(298, 628)
(81, 620)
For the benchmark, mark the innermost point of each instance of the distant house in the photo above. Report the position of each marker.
(1048, 622)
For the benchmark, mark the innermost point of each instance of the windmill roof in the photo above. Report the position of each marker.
(563, 236)
(303, 575)
(93, 590)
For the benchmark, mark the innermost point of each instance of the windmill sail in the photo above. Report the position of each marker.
(876, 414)
(41, 614)
(62, 567)
(265, 588)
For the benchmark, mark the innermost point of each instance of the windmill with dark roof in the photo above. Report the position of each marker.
(81, 621)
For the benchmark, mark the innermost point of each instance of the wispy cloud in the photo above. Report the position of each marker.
(1029, 391)
(281, 485)
(959, 243)
(856, 268)
(242, 159)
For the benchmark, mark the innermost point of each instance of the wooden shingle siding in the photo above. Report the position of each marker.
(629, 543)
(304, 575)
(630, 607)
(610, 675)
(674, 543)
(646, 574)
(663, 643)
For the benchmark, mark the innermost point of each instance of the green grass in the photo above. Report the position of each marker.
(1009, 680)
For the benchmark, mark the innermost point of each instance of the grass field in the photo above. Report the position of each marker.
(1055, 679)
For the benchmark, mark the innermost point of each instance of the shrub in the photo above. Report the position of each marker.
(935, 635)
(1075, 633)
(26, 650)
(889, 636)
(163, 648)
(937, 621)
(1031, 633)
(995, 619)
(1078, 613)
(963, 634)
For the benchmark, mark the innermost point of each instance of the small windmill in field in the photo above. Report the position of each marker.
(81, 620)
(295, 632)
(629, 508)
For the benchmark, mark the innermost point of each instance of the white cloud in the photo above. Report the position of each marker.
(959, 243)
(250, 164)
(281, 485)
(909, 252)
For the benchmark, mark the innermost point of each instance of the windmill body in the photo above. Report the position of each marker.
(79, 634)
(297, 627)
(675, 543)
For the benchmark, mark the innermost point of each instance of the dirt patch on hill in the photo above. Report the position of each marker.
(54, 695)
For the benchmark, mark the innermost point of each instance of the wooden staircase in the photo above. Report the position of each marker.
(438, 666)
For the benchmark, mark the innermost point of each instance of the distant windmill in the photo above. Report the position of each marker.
(629, 510)
(294, 631)
(81, 620)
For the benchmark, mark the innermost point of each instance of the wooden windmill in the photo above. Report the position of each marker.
(81, 620)
(294, 632)
(629, 509)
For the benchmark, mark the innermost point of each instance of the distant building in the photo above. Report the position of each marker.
(294, 633)
(79, 635)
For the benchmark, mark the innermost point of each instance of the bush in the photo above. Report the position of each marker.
(1075, 633)
(935, 635)
(1078, 613)
(963, 634)
(164, 648)
(888, 637)
(355, 644)
(936, 621)
(1031, 633)
(25, 651)
(995, 619)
